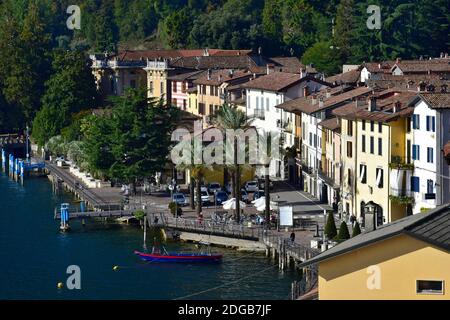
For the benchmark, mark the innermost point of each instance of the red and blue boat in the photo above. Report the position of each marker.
(161, 255)
(179, 257)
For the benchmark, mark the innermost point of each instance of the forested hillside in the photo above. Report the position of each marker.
(326, 33)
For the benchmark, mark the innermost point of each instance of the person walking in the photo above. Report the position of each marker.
(292, 238)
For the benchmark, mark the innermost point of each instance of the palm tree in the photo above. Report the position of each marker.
(227, 118)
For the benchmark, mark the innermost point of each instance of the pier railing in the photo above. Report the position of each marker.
(207, 227)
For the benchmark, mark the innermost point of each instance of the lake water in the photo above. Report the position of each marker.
(34, 257)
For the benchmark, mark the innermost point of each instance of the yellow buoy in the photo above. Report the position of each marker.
(60, 285)
(115, 268)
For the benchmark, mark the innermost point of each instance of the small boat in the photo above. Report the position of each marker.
(179, 257)
(158, 255)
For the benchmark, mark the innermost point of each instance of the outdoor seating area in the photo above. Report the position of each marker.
(88, 180)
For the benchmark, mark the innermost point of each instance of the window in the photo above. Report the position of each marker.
(350, 128)
(430, 155)
(262, 103)
(161, 87)
(175, 85)
(364, 124)
(372, 145)
(349, 149)
(380, 127)
(310, 139)
(363, 173)
(431, 123)
(184, 104)
(430, 287)
(380, 146)
(416, 121)
(415, 184)
(363, 144)
(372, 126)
(408, 125)
(133, 83)
(267, 104)
(315, 141)
(380, 178)
(211, 109)
(430, 186)
(151, 87)
(201, 108)
(257, 102)
(415, 152)
(349, 178)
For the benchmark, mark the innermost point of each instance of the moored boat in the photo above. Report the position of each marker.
(179, 257)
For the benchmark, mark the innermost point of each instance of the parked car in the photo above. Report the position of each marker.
(251, 186)
(214, 187)
(204, 196)
(244, 196)
(221, 197)
(258, 194)
(180, 199)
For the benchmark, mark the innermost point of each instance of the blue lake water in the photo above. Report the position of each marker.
(34, 257)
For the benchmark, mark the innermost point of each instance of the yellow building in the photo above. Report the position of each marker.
(375, 135)
(405, 260)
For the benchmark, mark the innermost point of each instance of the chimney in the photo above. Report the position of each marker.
(372, 104)
(231, 73)
(305, 91)
(320, 102)
(209, 74)
(446, 55)
(206, 52)
(442, 55)
(220, 78)
(328, 93)
(397, 106)
(269, 68)
(303, 73)
(398, 60)
(314, 99)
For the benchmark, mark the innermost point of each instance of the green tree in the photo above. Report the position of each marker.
(343, 233)
(231, 118)
(70, 89)
(330, 227)
(140, 135)
(356, 230)
(323, 56)
(344, 36)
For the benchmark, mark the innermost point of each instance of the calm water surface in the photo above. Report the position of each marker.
(34, 257)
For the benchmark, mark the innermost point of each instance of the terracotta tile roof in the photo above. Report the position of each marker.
(193, 75)
(351, 77)
(410, 81)
(133, 55)
(291, 65)
(217, 77)
(379, 67)
(423, 66)
(386, 102)
(331, 124)
(276, 81)
(437, 100)
(213, 62)
(306, 105)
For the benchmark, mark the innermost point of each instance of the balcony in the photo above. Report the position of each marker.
(404, 163)
(259, 114)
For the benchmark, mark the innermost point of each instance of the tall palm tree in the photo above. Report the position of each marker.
(229, 117)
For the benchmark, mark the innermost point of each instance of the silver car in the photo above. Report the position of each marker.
(251, 186)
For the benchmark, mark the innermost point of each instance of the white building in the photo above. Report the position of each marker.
(430, 124)
(266, 92)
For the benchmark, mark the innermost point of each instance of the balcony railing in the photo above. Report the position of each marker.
(259, 114)
(404, 163)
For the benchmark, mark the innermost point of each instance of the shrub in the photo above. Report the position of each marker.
(330, 227)
(356, 230)
(139, 214)
(343, 232)
(173, 207)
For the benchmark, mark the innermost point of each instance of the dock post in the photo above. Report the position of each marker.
(145, 229)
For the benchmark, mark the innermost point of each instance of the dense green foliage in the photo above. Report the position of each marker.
(70, 89)
(330, 227)
(133, 140)
(356, 230)
(343, 233)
